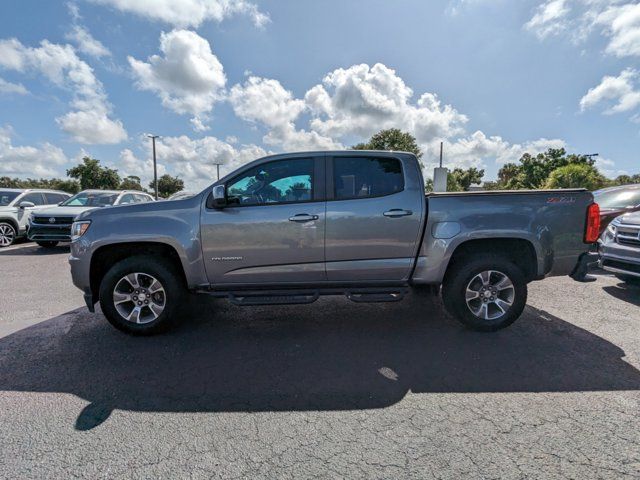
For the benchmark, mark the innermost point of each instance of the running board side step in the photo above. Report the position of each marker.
(250, 298)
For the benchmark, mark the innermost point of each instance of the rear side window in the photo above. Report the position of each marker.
(363, 177)
(54, 198)
(35, 198)
(142, 199)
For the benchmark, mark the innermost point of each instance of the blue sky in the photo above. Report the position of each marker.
(226, 82)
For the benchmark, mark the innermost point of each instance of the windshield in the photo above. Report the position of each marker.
(618, 198)
(7, 197)
(91, 199)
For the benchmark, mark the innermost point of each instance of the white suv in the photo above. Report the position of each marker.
(17, 204)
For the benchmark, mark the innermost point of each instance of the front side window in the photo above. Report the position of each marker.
(7, 197)
(281, 181)
(362, 177)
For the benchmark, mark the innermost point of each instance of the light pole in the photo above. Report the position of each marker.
(155, 168)
(218, 169)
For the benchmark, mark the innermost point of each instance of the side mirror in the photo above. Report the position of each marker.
(219, 194)
(26, 204)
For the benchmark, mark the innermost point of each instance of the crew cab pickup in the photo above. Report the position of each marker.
(288, 228)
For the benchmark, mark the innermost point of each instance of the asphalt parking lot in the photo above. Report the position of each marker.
(335, 389)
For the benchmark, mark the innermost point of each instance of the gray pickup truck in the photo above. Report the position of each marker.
(288, 228)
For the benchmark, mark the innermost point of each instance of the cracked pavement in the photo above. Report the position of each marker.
(333, 389)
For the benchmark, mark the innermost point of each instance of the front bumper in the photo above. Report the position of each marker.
(622, 258)
(49, 233)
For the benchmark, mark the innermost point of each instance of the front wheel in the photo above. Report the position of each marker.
(7, 234)
(485, 294)
(141, 295)
(51, 244)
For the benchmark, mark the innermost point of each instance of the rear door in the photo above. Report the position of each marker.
(374, 217)
(273, 232)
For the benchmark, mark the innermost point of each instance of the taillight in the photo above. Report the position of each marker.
(592, 231)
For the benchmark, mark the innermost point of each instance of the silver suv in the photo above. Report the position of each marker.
(17, 204)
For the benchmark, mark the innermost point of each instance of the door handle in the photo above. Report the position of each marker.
(303, 217)
(397, 212)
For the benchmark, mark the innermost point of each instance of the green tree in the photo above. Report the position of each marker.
(392, 139)
(576, 176)
(167, 185)
(70, 186)
(532, 172)
(131, 182)
(92, 175)
(463, 179)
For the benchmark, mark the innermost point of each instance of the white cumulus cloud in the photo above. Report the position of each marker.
(189, 13)
(9, 87)
(360, 100)
(267, 102)
(193, 160)
(621, 93)
(85, 42)
(188, 77)
(44, 160)
(61, 66)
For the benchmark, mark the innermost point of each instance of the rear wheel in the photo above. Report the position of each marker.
(485, 294)
(51, 244)
(141, 295)
(7, 234)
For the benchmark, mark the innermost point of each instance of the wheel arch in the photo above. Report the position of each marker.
(13, 223)
(518, 250)
(108, 255)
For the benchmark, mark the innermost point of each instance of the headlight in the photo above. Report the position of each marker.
(78, 229)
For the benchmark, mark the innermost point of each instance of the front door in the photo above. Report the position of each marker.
(272, 231)
(374, 218)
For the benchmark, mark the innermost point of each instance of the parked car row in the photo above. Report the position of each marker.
(619, 244)
(45, 216)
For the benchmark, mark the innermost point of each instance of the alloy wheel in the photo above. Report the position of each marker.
(139, 298)
(490, 294)
(7, 235)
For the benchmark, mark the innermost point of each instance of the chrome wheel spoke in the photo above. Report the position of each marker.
(504, 284)
(156, 310)
(502, 305)
(134, 316)
(155, 287)
(119, 298)
(472, 294)
(132, 278)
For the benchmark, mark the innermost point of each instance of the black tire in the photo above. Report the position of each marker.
(51, 244)
(464, 271)
(8, 234)
(151, 266)
(630, 279)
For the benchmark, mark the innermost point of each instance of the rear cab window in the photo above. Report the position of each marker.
(366, 177)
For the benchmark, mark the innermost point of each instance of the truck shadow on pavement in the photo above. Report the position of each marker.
(625, 292)
(334, 355)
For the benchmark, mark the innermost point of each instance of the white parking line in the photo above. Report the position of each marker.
(17, 247)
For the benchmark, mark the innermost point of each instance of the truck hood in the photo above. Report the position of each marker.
(63, 211)
(631, 218)
(149, 208)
